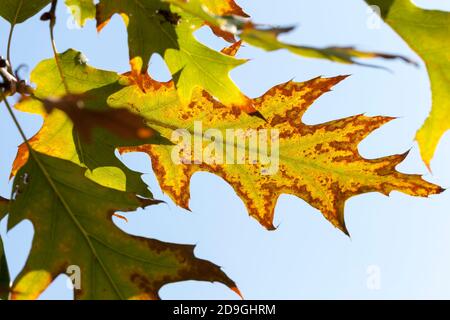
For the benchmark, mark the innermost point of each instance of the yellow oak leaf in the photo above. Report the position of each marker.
(318, 163)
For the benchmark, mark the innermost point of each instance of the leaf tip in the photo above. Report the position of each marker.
(233, 49)
(149, 202)
(238, 292)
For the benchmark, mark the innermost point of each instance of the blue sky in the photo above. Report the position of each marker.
(405, 241)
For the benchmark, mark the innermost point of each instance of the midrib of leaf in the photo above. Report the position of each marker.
(50, 180)
(11, 31)
(17, 12)
(309, 164)
(131, 256)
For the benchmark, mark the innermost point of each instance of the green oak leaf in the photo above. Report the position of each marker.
(17, 11)
(73, 227)
(156, 27)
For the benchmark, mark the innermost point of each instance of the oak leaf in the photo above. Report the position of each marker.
(427, 32)
(18, 11)
(318, 163)
(73, 228)
(157, 27)
(59, 138)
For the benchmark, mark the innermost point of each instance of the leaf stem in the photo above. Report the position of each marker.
(8, 49)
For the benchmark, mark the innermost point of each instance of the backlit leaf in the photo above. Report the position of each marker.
(59, 139)
(428, 33)
(211, 11)
(17, 11)
(155, 27)
(318, 163)
(72, 218)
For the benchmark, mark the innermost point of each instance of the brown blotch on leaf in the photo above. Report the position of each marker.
(120, 122)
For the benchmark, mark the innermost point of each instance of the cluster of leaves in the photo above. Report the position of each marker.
(69, 182)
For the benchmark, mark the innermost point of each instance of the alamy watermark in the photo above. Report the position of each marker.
(231, 147)
(374, 20)
(373, 281)
(74, 280)
(74, 13)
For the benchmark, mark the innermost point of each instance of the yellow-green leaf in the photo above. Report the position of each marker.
(155, 27)
(231, 22)
(318, 163)
(59, 138)
(428, 33)
(17, 11)
(211, 12)
(72, 218)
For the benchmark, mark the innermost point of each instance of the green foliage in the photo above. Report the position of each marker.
(427, 32)
(69, 183)
(18, 11)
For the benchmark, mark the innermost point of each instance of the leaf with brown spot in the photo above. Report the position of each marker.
(63, 128)
(233, 49)
(121, 122)
(72, 218)
(318, 163)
